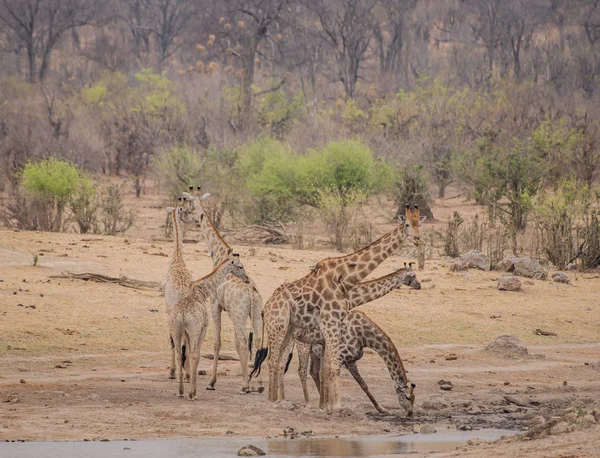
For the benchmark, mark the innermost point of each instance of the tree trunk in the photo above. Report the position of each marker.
(442, 190)
(31, 61)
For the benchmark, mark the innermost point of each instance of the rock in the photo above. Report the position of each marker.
(588, 420)
(560, 428)
(446, 387)
(250, 450)
(459, 266)
(435, 402)
(286, 405)
(508, 347)
(538, 421)
(509, 283)
(473, 408)
(428, 429)
(571, 417)
(475, 259)
(530, 268)
(444, 382)
(559, 277)
(465, 428)
(506, 265)
(571, 266)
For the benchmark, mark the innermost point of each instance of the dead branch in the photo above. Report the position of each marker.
(121, 280)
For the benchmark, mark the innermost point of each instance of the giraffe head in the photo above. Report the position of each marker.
(192, 204)
(235, 267)
(406, 397)
(408, 277)
(412, 221)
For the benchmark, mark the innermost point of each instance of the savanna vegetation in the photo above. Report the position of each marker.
(283, 108)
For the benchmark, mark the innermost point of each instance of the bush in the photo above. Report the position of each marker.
(340, 214)
(410, 187)
(52, 183)
(451, 237)
(115, 218)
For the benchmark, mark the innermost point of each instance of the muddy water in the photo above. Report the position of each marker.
(226, 447)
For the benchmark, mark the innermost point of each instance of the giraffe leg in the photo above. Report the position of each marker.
(257, 328)
(186, 364)
(353, 369)
(331, 363)
(303, 361)
(195, 344)
(286, 357)
(315, 367)
(241, 346)
(217, 321)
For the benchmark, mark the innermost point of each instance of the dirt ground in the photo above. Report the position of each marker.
(88, 361)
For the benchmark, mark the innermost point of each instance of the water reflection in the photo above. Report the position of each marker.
(337, 447)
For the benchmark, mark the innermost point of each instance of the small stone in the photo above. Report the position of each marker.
(475, 259)
(435, 402)
(446, 387)
(451, 357)
(571, 417)
(473, 408)
(465, 428)
(506, 383)
(125, 315)
(459, 266)
(559, 428)
(528, 267)
(285, 405)
(538, 421)
(559, 277)
(428, 429)
(201, 372)
(509, 283)
(444, 382)
(22, 381)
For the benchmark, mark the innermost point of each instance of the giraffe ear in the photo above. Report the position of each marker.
(205, 196)
(402, 218)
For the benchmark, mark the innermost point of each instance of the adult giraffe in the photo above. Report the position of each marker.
(319, 300)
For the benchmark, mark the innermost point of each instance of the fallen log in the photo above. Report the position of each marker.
(120, 280)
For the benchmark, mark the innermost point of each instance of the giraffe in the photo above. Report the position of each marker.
(359, 332)
(178, 278)
(361, 294)
(189, 318)
(238, 299)
(318, 300)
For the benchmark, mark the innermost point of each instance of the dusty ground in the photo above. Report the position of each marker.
(81, 360)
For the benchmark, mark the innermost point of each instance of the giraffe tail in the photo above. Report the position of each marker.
(289, 360)
(250, 337)
(261, 356)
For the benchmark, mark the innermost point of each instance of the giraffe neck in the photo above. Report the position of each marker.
(218, 248)
(178, 251)
(369, 291)
(360, 264)
(208, 285)
(383, 345)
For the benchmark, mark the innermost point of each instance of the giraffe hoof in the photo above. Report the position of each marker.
(171, 376)
(261, 389)
(210, 388)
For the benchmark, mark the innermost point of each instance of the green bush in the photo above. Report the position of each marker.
(177, 167)
(54, 182)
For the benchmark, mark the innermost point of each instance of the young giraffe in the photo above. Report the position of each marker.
(319, 301)
(189, 319)
(178, 278)
(240, 300)
(359, 332)
(361, 294)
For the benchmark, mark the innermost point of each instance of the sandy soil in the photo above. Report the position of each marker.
(82, 360)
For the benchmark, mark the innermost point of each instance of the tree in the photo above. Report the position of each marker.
(40, 24)
(347, 29)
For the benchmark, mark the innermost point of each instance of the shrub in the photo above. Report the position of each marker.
(451, 236)
(177, 167)
(52, 183)
(115, 218)
(410, 186)
(340, 214)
